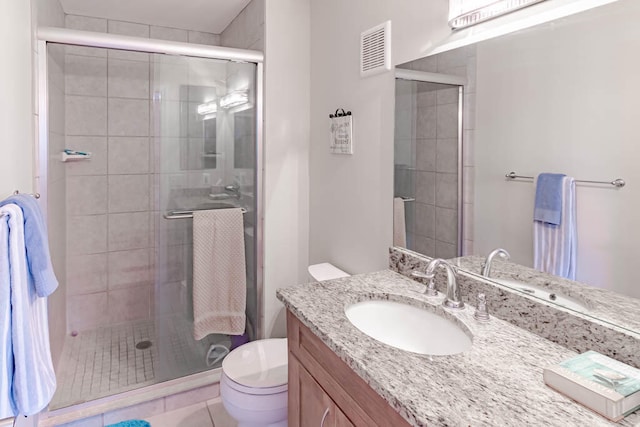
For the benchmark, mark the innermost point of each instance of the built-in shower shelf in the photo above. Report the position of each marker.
(66, 157)
(212, 155)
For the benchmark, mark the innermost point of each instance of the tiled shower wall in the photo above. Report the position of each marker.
(430, 129)
(426, 165)
(110, 198)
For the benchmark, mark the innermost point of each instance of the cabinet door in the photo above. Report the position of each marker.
(314, 408)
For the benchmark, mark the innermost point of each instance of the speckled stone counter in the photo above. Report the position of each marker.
(620, 310)
(573, 330)
(497, 382)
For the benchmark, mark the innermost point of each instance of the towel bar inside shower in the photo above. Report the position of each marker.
(189, 214)
(618, 182)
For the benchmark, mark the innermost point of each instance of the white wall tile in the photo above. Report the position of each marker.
(129, 268)
(198, 37)
(447, 225)
(128, 231)
(129, 193)
(447, 190)
(85, 75)
(425, 187)
(447, 155)
(447, 121)
(84, 23)
(128, 117)
(87, 274)
(166, 33)
(87, 311)
(129, 304)
(86, 234)
(426, 154)
(128, 155)
(97, 146)
(128, 29)
(87, 195)
(86, 115)
(128, 79)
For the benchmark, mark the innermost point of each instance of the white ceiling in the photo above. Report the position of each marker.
(211, 16)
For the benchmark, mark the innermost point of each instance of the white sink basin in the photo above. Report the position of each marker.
(408, 328)
(545, 294)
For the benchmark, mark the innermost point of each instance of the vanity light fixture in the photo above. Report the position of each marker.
(465, 13)
(234, 99)
(208, 108)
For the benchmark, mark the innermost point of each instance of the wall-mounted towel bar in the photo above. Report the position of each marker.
(619, 182)
(36, 195)
(188, 214)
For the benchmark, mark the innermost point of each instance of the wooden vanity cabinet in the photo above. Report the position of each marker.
(322, 386)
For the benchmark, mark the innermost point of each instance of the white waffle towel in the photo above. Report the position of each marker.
(219, 273)
(399, 225)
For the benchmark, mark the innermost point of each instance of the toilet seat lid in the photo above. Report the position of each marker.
(258, 364)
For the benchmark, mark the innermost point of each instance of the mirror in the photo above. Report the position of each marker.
(560, 97)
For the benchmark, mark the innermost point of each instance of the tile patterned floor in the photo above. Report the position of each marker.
(105, 361)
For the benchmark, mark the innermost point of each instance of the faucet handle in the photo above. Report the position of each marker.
(482, 312)
(431, 285)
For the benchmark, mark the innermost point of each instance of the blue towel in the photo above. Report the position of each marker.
(555, 247)
(548, 203)
(35, 236)
(7, 407)
(32, 379)
(131, 423)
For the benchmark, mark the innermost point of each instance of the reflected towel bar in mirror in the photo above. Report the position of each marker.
(189, 214)
(619, 182)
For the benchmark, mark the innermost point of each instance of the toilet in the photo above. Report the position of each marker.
(253, 385)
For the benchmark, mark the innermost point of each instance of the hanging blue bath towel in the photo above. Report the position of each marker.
(555, 238)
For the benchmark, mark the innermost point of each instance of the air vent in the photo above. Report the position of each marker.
(375, 50)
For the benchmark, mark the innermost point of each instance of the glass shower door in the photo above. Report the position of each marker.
(204, 137)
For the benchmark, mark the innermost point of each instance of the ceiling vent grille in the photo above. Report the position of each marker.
(375, 50)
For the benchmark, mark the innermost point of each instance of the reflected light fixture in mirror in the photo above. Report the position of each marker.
(234, 99)
(464, 13)
(208, 109)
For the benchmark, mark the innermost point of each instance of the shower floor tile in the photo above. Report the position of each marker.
(105, 361)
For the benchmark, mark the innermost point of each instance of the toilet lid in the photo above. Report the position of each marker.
(258, 364)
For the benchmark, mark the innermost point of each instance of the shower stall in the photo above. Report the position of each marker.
(135, 135)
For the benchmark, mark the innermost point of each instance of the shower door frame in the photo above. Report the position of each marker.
(460, 82)
(112, 41)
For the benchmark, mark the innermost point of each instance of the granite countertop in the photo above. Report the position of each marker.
(496, 382)
(620, 310)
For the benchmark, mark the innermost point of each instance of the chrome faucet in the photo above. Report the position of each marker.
(234, 190)
(452, 299)
(230, 192)
(486, 265)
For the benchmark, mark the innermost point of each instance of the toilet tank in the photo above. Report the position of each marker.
(326, 271)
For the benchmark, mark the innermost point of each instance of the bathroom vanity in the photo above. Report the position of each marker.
(338, 373)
